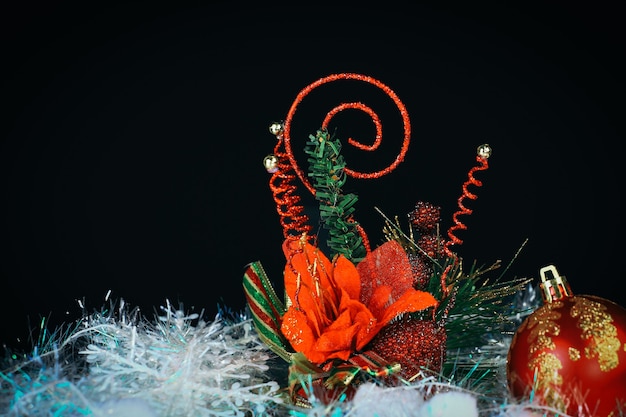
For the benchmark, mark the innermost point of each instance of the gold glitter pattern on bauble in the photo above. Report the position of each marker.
(569, 354)
(574, 354)
(548, 368)
(542, 327)
(597, 327)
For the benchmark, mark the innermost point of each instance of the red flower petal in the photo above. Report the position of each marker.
(337, 308)
(297, 331)
(380, 300)
(338, 339)
(386, 265)
(347, 277)
(308, 283)
(410, 302)
(364, 319)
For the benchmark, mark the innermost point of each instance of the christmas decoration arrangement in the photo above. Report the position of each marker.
(403, 327)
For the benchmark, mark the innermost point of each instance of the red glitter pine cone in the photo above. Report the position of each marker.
(417, 345)
(425, 216)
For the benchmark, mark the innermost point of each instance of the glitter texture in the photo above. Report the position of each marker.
(459, 225)
(350, 76)
(570, 354)
(419, 346)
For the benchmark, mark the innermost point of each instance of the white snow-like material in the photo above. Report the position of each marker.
(117, 363)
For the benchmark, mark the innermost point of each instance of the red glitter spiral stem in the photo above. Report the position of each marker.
(350, 76)
(291, 217)
(443, 281)
(370, 112)
(459, 225)
(364, 238)
(291, 213)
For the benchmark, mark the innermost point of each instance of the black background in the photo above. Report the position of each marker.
(133, 134)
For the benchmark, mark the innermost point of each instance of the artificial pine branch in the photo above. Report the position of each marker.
(326, 169)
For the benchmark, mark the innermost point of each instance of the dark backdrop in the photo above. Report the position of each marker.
(132, 137)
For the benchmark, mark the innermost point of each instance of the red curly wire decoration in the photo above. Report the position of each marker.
(292, 216)
(443, 280)
(483, 153)
(350, 76)
(366, 109)
(294, 221)
(364, 238)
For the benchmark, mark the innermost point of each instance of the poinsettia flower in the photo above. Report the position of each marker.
(329, 315)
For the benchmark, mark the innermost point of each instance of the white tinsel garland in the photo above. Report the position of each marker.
(117, 363)
(166, 368)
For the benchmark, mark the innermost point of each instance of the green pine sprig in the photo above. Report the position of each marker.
(326, 170)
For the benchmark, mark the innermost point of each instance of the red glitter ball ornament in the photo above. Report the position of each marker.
(570, 354)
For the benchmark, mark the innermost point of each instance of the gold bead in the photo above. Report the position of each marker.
(276, 129)
(484, 151)
(270, 162)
